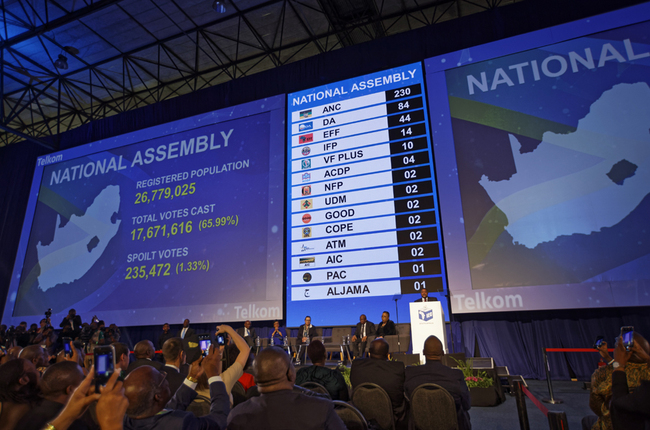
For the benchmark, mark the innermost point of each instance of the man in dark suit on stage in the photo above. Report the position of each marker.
(174, 358)
(364, 329)
(144, 353)
(186, 332)
(435, 372)
(279, 406)
(389, 375)
(74, 321)
(166, 334)
(151, 405)
(425, 296)
(306, 334)
(248, 333)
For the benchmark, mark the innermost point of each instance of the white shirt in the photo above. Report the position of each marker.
(363, 330)
(183, 332)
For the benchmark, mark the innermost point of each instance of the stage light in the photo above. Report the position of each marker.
(219, 6)
(62, 62)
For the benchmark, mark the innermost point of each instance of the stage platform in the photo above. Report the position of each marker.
(504, 416)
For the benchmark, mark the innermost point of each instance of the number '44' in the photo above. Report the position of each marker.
(405, 118)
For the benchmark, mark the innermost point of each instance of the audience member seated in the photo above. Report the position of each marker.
(434, 372)
(277, 335)
(278, 406)
(186, 332)
(386, 327)
(636, 370)
(174, 358)
(37, 355)
(331, 379)
(144, 354)
(166, 334)
(18, 391)
(389, 375)
(151, 405)
(248, 333)
(360, 337)
(306, 334)
(57, 385)
(11, 354)
(122, 355)
(236, 368)
(629, 411)
(110, 405)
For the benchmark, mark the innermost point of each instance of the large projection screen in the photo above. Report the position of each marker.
(181, 220)
(542, 153)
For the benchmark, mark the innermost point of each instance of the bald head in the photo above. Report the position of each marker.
(273, 370)
(433, 349)
(378, 349)
(35, 354)
(144, 349)
(61, 379)
(147, 391)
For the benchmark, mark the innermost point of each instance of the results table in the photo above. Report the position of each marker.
(363, 218)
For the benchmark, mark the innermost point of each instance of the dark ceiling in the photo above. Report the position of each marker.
(68, 62)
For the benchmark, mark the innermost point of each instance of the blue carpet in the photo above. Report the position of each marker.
(504, 416)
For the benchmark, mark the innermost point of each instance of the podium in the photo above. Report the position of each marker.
(427, 318)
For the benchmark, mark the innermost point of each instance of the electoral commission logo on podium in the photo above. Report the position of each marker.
(425, 314)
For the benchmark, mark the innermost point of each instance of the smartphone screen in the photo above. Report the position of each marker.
(627, 333)
(599, 341)
(221, 340)
(104, 358)
(205, 346)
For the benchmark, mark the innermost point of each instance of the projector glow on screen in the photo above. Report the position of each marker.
(362, 224)
(543, 161)
(182, 220)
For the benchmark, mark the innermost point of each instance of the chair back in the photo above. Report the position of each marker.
(375, 405)
(238, 394)
(433, 407)
(339, 332)
(351, 416)
(316, 387)
(200, 406)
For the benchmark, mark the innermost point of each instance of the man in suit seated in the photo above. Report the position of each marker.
(434, 372)
(248, 333)
(425, 296)
(279, 406)
(306, 334)
(389, 375)
(360, 337)
(331, 379)
(144, 354)
(186, 332)
(386, 327)
(174, 358)
(151, 405)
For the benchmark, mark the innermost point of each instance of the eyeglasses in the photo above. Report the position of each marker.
(164, 374)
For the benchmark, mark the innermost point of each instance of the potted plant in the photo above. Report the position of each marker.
(481, 387)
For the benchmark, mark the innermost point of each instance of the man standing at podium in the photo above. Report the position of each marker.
(360, 337)
(425, 296)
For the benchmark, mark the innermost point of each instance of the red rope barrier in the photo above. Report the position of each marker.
(537, 403)
(575, 350)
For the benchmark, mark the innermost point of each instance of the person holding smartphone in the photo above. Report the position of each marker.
(636, 370)
(629, 410)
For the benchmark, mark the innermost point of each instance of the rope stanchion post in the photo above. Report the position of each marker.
(522, 412)
(552, 400)
(557, 420)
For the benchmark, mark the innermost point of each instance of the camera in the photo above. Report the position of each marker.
(48, 313)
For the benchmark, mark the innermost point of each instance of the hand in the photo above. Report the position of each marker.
(212, 362)
(77, 404)
(364, 339)
(74, 357)
(196, 370)
(112, 404)
(620, 354)
(304, 340)
(354, 338)
(223, 328)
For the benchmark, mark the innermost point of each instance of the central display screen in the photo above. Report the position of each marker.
(363, 225)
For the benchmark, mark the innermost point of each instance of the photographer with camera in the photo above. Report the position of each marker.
(74, 321)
